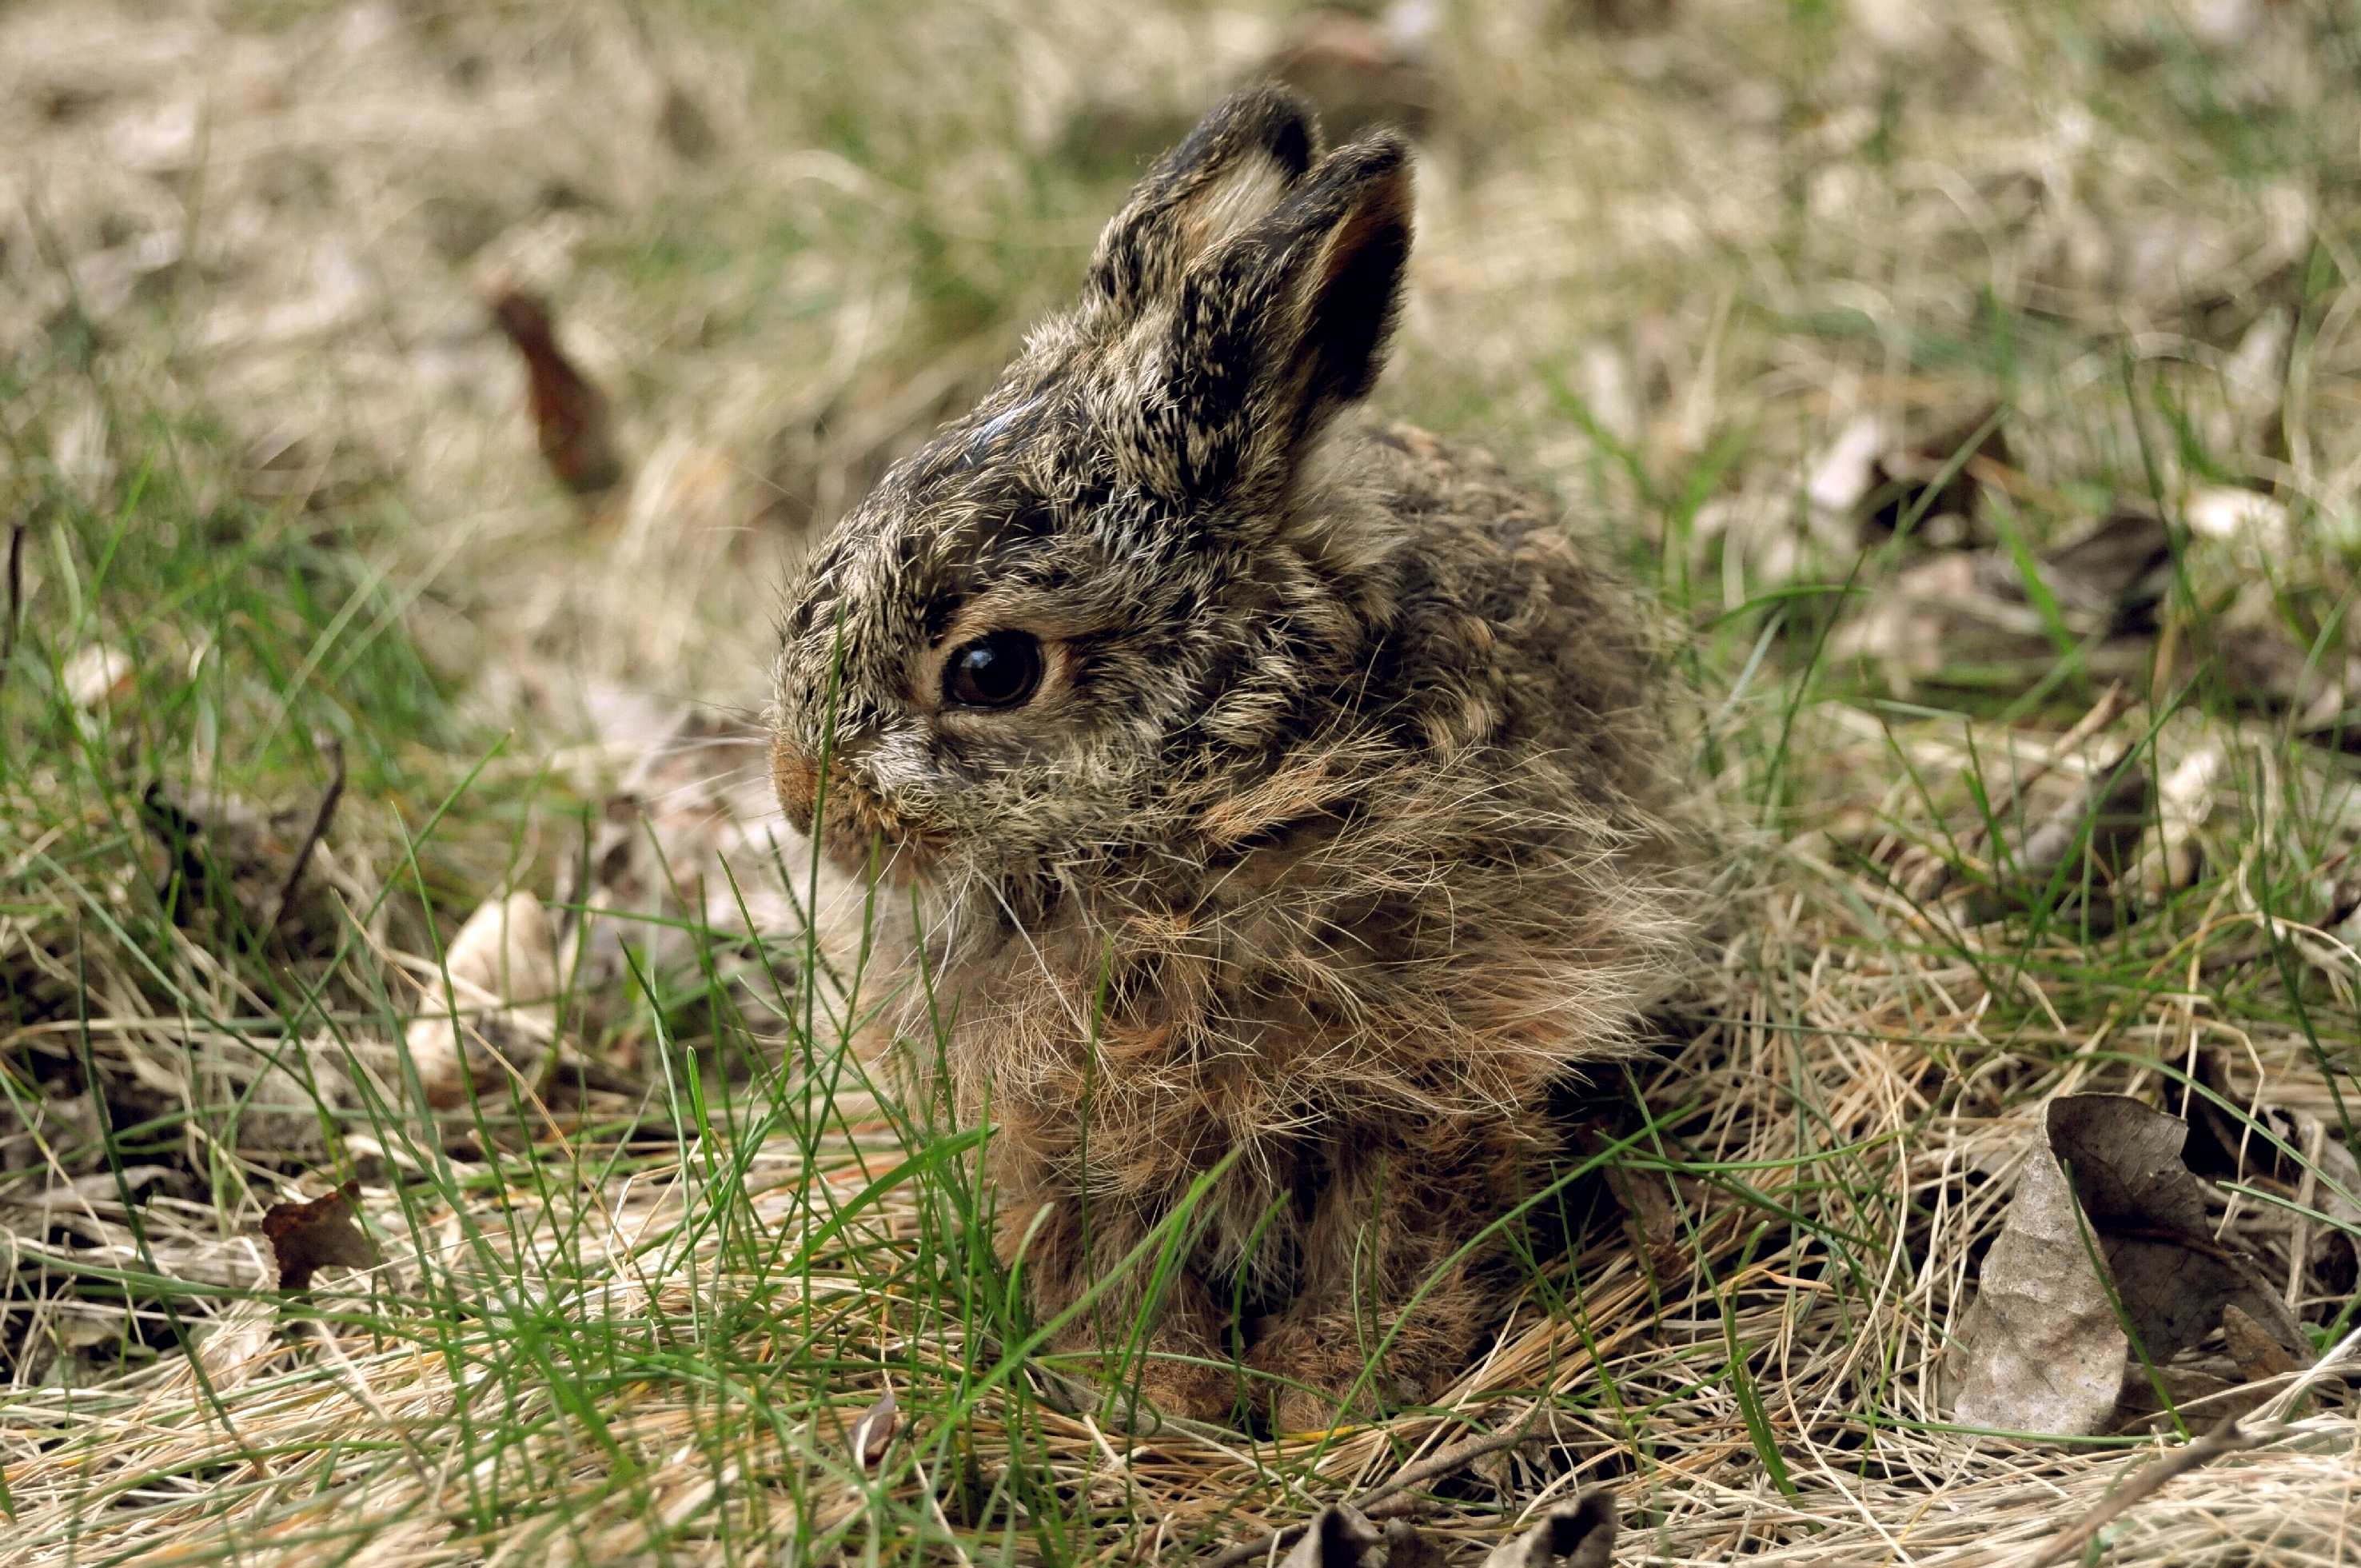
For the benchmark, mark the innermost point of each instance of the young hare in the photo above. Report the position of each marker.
(1280, 789)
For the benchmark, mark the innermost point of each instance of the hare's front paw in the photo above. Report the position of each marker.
(1190, 1390)
(1306, 1382)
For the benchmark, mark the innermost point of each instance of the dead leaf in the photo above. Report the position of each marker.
(308, 1237)
(569, 414)
(872, 1434)
(1580, 1534)
(2258, 1355)
(2150, 1215)
(1340, 1536)
(96, 675)
(503, 976)
(2042, 1350)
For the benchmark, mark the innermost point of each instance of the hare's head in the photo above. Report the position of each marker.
(1097, 595)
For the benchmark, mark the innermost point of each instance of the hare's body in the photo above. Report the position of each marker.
(1279, 790)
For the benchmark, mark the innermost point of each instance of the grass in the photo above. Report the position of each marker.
(637, 1292)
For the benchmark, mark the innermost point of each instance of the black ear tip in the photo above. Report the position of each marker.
(1379, 153)
(1276, 117)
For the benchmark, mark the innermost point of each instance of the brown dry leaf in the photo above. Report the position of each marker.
(569, 414)
(308, 1237)
(872, 1434)
(1580, 1534)
(2042, 1350)
(2258, 1355)
(2150, 1216)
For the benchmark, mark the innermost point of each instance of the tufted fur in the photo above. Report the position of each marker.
(1335, 832)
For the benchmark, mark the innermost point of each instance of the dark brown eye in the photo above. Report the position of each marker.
(1002, 670)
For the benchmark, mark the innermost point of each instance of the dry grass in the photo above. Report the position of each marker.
(264, 442)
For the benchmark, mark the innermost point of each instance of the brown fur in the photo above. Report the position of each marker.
(1334, 834)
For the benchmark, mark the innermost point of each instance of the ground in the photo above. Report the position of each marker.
(1973, 388)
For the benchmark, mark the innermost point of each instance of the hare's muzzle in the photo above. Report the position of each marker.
(857, 828)
(796, 779)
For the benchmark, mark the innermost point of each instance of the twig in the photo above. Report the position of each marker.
(335, 752)
(1427, 1470)
(15, 590)
(2224, 1439)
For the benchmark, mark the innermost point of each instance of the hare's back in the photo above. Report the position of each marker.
(1570, 664)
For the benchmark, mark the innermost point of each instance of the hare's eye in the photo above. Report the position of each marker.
(998, 671)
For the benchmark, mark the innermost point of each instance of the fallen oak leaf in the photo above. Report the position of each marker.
(2151, 1218)
(308, 1237)
(2042, 1349)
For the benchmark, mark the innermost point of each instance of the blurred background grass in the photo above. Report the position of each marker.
(1936, 364)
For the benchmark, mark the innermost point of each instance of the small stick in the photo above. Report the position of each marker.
(1427, 1470)
(15, 590)
(335, 752)
(2224, 1439)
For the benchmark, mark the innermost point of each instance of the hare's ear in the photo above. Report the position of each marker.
(1286, 323)
(1232, 169)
